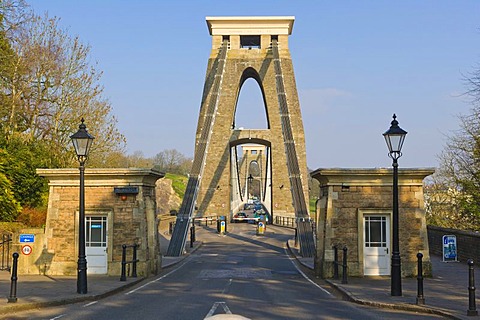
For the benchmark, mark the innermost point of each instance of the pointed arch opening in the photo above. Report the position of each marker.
(251, 174)
(251, 110)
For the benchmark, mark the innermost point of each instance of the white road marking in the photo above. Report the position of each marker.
(58, 317)
(215, 306)
(89, 304)
(304, 275)
(158, 279)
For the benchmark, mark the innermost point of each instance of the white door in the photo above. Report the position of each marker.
(376, 248)
(96, 244)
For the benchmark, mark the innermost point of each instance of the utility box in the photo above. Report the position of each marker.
(222, 225)
(261, 228)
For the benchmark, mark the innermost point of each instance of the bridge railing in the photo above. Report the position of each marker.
(207, 220)
(5, 248)
(290, 222)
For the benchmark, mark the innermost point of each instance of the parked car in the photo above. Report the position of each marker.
(240, 217)
(248, 206)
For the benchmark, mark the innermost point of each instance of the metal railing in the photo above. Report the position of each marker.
(179, 236)
(5, 248)
(336, 264)
(208, 220)
(304, 228)
(132, 262)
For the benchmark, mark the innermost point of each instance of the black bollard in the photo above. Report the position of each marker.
(344, 271)
(123, 276)
(335, 262)
(192, 240)
(472, 309)
(296, 237)
(420, 297)
(134, 261)
(13, 285)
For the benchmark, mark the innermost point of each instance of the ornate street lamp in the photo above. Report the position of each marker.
(82, 141)
(250, 181)
(394, 138)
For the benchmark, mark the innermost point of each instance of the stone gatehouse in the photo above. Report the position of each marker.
(120, 208)
(355, 210)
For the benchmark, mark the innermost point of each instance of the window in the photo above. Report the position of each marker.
(375, 231)
(96, 231)
(249, 42)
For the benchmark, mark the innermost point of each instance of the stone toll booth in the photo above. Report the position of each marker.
(355, 210)
(119, 209)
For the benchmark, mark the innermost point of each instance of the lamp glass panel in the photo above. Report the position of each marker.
(395, 142)
(82, 146)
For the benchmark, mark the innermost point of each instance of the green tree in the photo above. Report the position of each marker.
(459, 172)
(61, 88)
(20, 162)
(9, 206)
(47, 84)
(172, 161)
(138, 160)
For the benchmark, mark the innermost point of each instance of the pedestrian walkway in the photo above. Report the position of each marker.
(445, 293)
(38, 291)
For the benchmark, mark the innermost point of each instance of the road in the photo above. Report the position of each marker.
(240, 273)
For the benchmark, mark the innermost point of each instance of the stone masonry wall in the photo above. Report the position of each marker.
(214, 192)
(467, 243)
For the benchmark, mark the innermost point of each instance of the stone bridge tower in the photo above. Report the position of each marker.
(244, 48)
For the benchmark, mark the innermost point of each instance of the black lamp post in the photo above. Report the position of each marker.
(250, 181)
(394, 138)
(82, 142)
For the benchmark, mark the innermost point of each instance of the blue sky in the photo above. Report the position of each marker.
(356, 63)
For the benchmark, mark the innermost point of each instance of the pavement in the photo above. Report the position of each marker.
(40, 291)
(445, 293)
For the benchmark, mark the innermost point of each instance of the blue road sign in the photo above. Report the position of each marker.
(27, 238)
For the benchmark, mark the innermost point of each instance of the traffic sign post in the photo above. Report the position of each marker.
(26, 249)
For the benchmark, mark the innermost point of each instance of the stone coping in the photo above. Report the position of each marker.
(102, 176)
(370, 176)
(255, 25)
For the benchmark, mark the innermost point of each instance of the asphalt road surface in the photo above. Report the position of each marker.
(238, 274)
